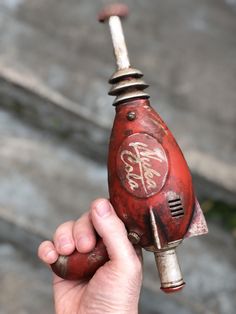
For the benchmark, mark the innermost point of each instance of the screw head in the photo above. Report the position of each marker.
(133, 237)
(131, 115)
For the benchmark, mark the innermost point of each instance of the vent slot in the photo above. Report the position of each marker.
(176, 208)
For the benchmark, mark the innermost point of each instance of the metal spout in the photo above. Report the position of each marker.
(169, 270)
(126, 81)
(113, 13)
(166, 260)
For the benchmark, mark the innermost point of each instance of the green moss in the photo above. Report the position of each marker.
(221, 212)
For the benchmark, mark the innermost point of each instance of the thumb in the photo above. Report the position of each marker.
(112, 230)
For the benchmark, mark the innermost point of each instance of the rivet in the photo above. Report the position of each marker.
(133, 237)
(131, 115)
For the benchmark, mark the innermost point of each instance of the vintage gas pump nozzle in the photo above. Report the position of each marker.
(150, 185)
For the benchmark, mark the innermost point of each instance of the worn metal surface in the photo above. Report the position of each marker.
(169, 271)
(135, 181)
(198, 225)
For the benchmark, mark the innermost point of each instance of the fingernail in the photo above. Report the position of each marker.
(51, 255)
(103, 208)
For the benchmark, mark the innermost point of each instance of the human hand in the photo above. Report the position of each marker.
(115, 287)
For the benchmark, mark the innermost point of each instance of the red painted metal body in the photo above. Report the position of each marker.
(146, 170)
(150, 184)
(150, 174)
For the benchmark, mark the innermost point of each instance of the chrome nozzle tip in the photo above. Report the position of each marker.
(116, 9)
(173, 289)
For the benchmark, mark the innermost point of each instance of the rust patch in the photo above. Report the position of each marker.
(198, 224)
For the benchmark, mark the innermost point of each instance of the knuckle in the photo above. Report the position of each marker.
(83, 227)
(115, 224)
(64, 228)
(115, 230)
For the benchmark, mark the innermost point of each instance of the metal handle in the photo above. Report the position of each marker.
(79, 266)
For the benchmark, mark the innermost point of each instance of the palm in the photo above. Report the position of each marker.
(105, 287)
(67, 295)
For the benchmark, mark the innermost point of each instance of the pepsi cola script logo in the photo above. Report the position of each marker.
(142, 165)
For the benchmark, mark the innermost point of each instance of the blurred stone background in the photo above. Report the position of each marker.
(55, 120)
